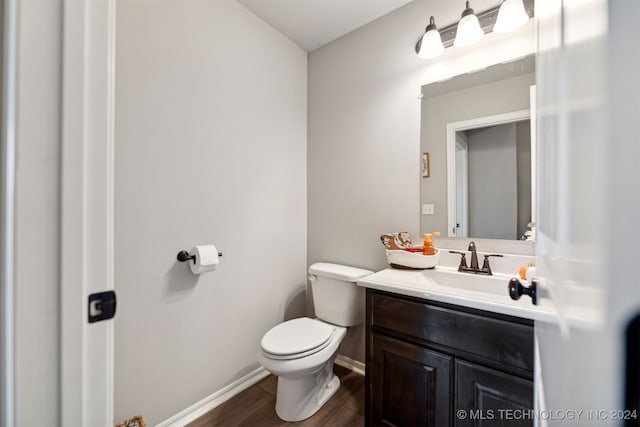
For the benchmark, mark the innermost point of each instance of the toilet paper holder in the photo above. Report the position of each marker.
(184, 256)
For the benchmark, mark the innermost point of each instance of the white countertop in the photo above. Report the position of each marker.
(424, 284)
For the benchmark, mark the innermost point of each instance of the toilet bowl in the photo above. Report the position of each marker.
(305, 375)
(301, 352)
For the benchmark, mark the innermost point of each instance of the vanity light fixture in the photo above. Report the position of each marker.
(469, 30)
(511, 16)
(508, 16)
(431, 43)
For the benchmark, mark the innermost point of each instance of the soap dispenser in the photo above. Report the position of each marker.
(427, 248)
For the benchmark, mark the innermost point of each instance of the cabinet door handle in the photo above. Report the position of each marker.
(517, 289)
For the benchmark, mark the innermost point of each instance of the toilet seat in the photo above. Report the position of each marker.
(297, 338)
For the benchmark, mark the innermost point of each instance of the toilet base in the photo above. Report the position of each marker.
(299, 398)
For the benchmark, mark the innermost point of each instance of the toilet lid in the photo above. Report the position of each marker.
(296, 336)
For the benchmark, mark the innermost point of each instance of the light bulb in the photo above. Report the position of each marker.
(511, 16)
(469, 30)
(431, 44)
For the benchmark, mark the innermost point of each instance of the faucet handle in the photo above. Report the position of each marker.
(485, 264)
(463, 259)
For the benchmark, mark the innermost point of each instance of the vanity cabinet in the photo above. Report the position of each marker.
(428, 360)
(413, 384)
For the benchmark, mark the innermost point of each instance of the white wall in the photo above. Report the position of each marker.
(210, 148)
(37, 282)
(364, 132)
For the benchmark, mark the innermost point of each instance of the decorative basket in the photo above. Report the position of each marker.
(411, 260)
(136, 421)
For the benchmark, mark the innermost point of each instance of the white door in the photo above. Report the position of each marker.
(585, 93)
(87, 211)
(57, 79)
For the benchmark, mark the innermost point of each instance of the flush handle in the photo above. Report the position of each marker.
(517, 289)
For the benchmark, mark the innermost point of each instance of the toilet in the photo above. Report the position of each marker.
(301, 352)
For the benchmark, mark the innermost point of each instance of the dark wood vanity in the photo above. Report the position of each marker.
(435, 364)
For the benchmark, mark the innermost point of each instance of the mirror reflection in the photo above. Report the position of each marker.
(477, 129)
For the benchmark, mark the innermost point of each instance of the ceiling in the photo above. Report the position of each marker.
(314, 23)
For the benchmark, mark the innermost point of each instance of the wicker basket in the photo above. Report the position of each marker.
(136, 421)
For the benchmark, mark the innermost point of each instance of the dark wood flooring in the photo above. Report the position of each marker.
(256, 405)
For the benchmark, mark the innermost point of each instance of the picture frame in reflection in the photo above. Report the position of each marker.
(425, 168)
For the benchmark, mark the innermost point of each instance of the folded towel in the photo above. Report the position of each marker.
(396, 241)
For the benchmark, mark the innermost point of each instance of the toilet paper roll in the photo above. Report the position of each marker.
(206, 259)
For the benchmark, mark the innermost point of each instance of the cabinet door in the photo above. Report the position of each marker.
(410, 385)
(485, 397)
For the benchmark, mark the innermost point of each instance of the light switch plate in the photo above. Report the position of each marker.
(427, 209)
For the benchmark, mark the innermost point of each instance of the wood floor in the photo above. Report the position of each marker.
(255, 406)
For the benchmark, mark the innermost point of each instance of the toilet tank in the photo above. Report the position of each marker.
(336, 297)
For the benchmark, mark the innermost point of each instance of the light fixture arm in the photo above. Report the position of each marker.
(468, 11)
(487, 20)
(431, 26)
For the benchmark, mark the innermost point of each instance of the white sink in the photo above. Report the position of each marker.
(495, 285)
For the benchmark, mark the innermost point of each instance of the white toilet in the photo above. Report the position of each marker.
(301, 351)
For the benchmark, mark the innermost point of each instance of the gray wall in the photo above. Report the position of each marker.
(500, 207)
(364, 140)
(37, 213)
(363, 143)
(210, 148)
(493, 200)
(364, 137)
(457, 106)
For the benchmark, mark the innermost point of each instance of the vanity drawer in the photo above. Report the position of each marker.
(464, 331)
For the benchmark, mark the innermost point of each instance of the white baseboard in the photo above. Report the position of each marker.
(354, 365)
(200, 408)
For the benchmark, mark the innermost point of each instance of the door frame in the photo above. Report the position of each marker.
(8, 74)
(87, 217)
(462, 184)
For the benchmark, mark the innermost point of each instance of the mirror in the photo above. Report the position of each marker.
(477, 131)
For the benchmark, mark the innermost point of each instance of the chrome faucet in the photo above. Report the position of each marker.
(474, 268)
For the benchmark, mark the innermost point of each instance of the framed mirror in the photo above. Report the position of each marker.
(476, 129)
